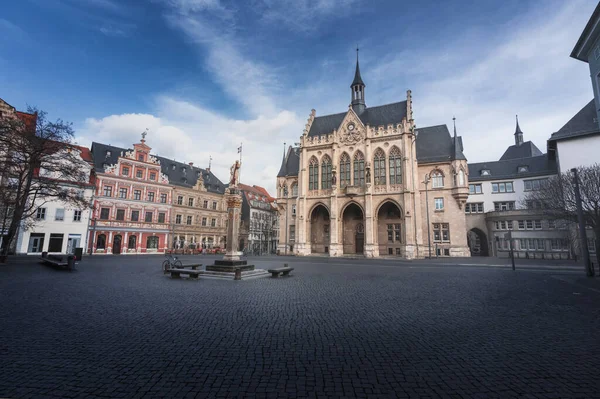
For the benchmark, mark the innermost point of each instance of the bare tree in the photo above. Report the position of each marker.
(557, 198)
(38, 164)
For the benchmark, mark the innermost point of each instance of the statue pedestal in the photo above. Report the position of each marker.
(231, 262)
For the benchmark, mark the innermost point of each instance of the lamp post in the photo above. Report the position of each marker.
(426, 182)
(285, 194)
(412, 179)
(93, 236)
(589, 270)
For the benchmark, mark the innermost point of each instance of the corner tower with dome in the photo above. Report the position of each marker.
(355, 184)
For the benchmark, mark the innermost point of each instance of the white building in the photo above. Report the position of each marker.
(496, 205)
(577, 143)
(58, 227)
(259, 214)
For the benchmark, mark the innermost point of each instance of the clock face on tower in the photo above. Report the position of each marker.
(351, 126)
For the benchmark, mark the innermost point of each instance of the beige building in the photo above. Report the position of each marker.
(199, 213)
(356, 185)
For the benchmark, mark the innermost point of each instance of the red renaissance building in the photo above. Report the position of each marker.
(132, 201)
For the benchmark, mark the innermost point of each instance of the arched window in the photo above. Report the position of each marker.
(461, 177)
(379, 167)
(395, 166)
(152, 242)
(313, 174)
(131, 242)
(326, 172)
(359, 169)
(344, 170)
(101, 244)
(294, 189)
(437, 179)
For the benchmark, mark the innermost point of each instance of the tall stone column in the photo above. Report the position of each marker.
(369, 250)
(234, 214)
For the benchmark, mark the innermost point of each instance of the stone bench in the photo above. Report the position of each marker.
(282, 270)
(176, 273)
(193, 266)
(59, 261)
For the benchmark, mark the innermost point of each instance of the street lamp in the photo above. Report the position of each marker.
(426, 182)
(412, 179)
(93, 236)
(285, 194)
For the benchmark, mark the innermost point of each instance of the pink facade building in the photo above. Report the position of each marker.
(132, 206)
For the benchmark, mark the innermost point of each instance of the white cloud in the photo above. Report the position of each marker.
(304, 15)
(482, 77)
(189, 133)
(527, 72)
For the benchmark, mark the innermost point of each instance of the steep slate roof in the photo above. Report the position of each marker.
(257, 193)
(211, 182)
(582, 124)
(525, 150)
(382, 115)
(291, 163)
(508, 169)
(583, 44)
(434, 144)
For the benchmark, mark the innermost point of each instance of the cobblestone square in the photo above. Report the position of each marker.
(336, 328)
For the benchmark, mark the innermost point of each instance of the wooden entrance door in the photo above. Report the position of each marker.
(117, 244)
(359, 238)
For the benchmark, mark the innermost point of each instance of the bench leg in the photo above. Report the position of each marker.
(175, 275)
(275, 274)
(287, 273)
(193, 276)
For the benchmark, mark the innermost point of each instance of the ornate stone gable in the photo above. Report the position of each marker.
(351, 131)
(200, 184)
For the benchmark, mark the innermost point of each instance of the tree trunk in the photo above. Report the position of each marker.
(597, 245)
(17, 215)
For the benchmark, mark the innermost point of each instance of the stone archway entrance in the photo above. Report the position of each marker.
(319, 230)
(353, 230)
(389, 229)
(478, 244)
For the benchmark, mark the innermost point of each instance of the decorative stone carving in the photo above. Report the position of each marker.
(111, 169)
(153, 160)
(351, 136)
(164, 178)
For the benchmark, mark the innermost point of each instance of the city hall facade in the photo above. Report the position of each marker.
(367, 182)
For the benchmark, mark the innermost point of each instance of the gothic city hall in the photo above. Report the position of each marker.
(368, 182)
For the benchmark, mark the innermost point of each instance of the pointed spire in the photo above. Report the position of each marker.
(357, 78)
(283, 168)
(457, 143)
(518, 133)
(454, 121)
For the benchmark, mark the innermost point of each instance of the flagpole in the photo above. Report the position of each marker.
(240, 172)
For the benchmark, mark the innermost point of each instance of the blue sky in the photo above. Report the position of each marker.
(205, 75)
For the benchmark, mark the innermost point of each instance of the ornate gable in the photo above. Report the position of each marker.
(351, 131)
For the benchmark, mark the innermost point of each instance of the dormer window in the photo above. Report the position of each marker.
(523, 169)
(485, 172)
(108, 153)
(173, 166)
(183, 170)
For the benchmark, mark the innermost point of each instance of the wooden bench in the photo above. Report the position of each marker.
(193, 266)
(282, 270)
(176, 273)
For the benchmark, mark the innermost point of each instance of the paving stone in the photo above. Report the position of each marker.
(353, 328)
